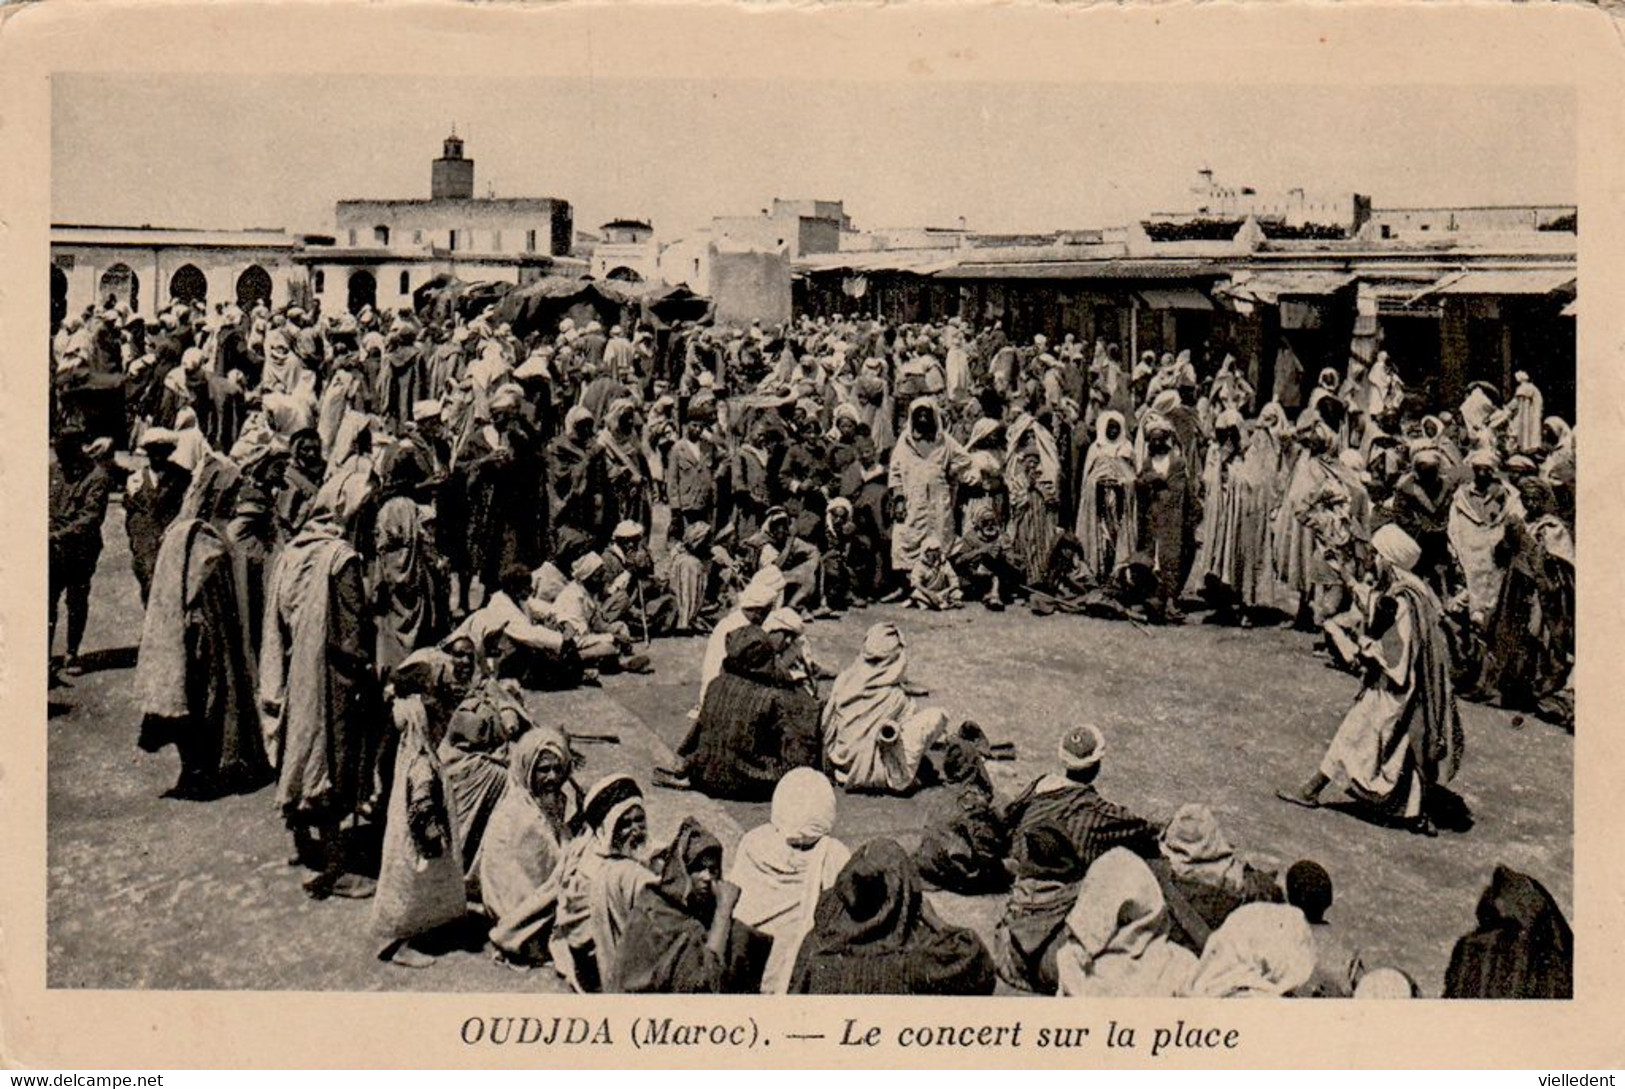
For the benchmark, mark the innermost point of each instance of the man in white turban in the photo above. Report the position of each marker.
(578, 612)
(763, 594)
(1402, 737)
(1479, 512)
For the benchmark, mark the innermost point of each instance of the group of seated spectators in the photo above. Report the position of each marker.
(313, 501)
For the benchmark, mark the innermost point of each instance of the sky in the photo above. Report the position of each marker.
(231, 152)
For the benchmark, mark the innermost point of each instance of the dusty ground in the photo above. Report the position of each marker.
(146, 892)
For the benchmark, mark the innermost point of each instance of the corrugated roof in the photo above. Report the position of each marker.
(1125, 269)
(1509, 281)
(923, 262)
(1268, 287)
(1175, 298)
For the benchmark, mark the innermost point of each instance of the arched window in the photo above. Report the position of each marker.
(59, 297)
(253, 287)
(189, 284)
(363, 290)
(406, 282)
(380, 235)
(121, 284)
(318, 281)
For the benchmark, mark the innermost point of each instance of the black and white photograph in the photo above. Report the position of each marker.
(725, 536)
(876, 520)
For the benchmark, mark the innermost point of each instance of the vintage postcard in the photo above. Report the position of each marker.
(918, 536)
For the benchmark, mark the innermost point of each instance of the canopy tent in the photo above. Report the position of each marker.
(443, 296)
(659, 304)
(1268, 286)
(539, 306)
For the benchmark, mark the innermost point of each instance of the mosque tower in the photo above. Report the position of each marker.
(453, 176)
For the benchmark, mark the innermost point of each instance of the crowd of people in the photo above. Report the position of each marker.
(361, 543)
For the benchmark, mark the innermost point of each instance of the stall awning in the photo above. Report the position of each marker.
(1175, 298)
(1268, 287)
(1509, 281)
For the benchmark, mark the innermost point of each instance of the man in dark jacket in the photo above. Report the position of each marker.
(1071, 802)
(79, 492)
(152, 499)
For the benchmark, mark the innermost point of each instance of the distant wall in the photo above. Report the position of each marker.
(750, 287)
(82, 268)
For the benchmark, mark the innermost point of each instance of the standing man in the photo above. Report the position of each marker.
(79, 492)
(152, 499)
(691, 477)
(316, 673)
(1403, 736)
(922, 464)
(575, 486)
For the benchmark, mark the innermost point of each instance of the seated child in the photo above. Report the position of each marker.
(933, 583)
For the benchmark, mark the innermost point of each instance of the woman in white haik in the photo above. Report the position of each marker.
(782, 866)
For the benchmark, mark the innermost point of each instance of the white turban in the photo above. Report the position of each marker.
(764, 589)
(1396, 546)
(786, 620)
(587, 566)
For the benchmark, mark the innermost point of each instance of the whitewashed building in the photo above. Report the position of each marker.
(145, 267)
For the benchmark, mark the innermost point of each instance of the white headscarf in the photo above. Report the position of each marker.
(1261, 950)
(781, 868)
(1117, 935)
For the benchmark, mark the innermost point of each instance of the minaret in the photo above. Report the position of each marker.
(452, 177)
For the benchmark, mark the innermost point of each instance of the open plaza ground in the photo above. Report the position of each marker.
(148, 892)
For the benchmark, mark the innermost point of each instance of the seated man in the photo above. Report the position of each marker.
(874, 933)
(983, 561)
(1068, 583)
(964, 843)
(875, 735)
(537, 655)
(754, 725)
(693, 576)
(1031, 932)
(1203, 878)
(579, 614)
(633, 595)
(777, 546)
(789, 634)
(763, 594)
(1071, 801)
(682, 937)
(597, 880)
(843, 578)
